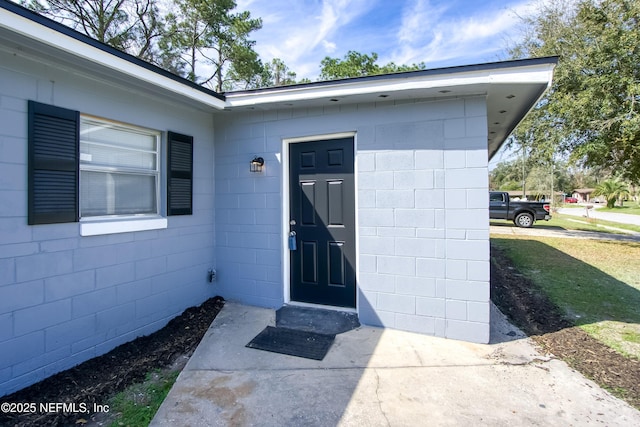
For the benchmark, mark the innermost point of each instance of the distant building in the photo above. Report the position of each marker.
(584, 195)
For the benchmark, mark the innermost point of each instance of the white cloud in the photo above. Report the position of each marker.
(244, 4)
(329, 47)
(435, 35)
(453, 32)
(303, 32)
(418, 20)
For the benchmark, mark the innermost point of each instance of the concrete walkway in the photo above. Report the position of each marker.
(539, 229)
(381, 377)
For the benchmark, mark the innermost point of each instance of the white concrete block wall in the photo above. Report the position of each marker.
(444, 225)
(66, 298)
(422, 221)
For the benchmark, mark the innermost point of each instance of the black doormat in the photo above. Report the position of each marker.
(309, 345)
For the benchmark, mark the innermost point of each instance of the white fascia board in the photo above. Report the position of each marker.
(531, 74)
(50, 37)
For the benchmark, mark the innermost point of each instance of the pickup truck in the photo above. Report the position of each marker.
(523, 214)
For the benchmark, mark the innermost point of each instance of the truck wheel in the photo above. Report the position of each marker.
(524, 220)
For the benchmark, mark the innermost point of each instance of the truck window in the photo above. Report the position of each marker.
(496, 197)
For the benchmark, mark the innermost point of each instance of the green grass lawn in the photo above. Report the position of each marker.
(595, 283)
(632, 209)
(138, 403)
(568, 222)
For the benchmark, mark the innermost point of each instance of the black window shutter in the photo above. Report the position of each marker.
(179, 174)
(53, 164)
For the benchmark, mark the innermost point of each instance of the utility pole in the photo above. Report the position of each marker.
(524, 180)
(553, 165)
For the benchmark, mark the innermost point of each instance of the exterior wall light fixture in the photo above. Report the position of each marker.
(257, 164)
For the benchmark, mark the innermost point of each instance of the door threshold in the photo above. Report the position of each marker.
(322, 306)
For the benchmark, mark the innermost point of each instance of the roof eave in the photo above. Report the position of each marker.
(47, 32)
(512, 89)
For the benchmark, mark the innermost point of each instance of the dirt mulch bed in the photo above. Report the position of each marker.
(98, 379)
(529, 309)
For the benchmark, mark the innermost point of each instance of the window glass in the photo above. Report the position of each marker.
(496, 197)
(119, 169)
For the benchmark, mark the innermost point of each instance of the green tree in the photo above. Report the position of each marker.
(281, 74)
(549, 180)
(593, 108)
(564, 180)
(355, 64)
(585, 177)
(133, 26)
(506, 176)
(236, 49)
(211, 43)
(272, 74)
(612, 190)
(539, 181)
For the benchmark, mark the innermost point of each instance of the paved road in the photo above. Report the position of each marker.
(607, 216)
(540, 229)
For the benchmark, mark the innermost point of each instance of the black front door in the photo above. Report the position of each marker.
(322, 216)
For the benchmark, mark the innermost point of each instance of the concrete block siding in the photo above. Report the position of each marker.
(423, 250)
(65, 298)
(423, 253)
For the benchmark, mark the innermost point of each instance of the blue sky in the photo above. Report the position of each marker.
(437, 32)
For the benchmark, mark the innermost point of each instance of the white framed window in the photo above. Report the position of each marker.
(119, 169)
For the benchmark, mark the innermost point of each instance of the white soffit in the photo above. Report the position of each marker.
(345, 89)
(48, 36)
(403, 85)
